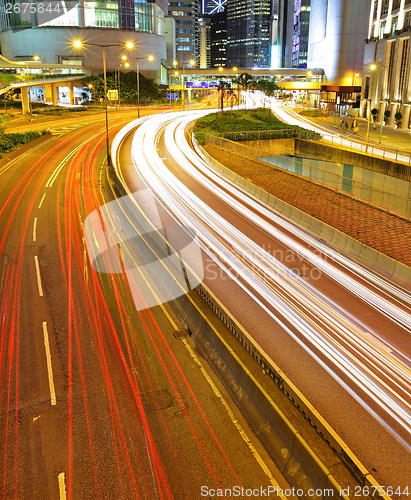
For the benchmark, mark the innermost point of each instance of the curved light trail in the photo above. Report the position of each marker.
(354, 354)
(129, 416)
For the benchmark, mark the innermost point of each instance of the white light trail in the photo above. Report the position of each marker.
(322, 327)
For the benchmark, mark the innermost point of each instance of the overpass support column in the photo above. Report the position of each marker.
(54, 94)
(25, 100)
(48, 93)
(71, 93)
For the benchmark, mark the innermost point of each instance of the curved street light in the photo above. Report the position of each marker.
(148, 58)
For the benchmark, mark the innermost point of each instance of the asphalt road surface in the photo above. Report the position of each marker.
(97, 399)
(337, 331)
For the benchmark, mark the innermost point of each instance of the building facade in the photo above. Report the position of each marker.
(50, 35)
(185, 15)
(387, 62)
(249, 33)
(218, 40)
(204, 41)
(300, 16)
(338, 29)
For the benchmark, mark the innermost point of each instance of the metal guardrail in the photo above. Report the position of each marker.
(397, 155)
(391, 202)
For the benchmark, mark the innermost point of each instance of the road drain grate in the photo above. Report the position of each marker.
(182, 333)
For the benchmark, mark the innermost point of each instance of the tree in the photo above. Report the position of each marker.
(128, 86)
(269, 87)
(398, 118)
(224, 86)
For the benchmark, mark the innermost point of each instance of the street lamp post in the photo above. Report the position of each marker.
(192, 63)
(78, 44)
(368, 124)
(36, 58)
(372, 68)
(149, 58)
(126, 65)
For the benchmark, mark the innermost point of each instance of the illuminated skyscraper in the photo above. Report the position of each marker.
(249, 33)
(212, 6)
(204, 37)
(300, 30)
(218, 40)
(186, 18)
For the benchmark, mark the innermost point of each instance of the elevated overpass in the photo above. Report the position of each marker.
(64, 75)
(287, 78)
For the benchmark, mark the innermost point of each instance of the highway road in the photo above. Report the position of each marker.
(98, 399)
(338, 331)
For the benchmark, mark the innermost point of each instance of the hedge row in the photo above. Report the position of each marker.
(238, 121)
(8, 142)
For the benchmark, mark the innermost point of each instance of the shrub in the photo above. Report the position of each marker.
(8, 142)
(240, 121)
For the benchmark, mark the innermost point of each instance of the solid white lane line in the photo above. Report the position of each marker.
(36, 262)
(41, 201)
(62, 486)
(60, 166)
(49, 366)
(34, 229)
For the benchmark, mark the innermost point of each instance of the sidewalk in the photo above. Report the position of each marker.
(391, 138)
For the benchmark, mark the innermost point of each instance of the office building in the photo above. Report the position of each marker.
(218, 40)
(249, 33)
(387, 63)
(185, 15)
(204, 41)
(297, 29)
(50, 35)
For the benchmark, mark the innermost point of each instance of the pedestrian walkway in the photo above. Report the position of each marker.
(390, 137)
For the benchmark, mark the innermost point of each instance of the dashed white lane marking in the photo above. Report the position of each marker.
(36, 262)
(35, 229)
(41, 201)
(53, 399)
